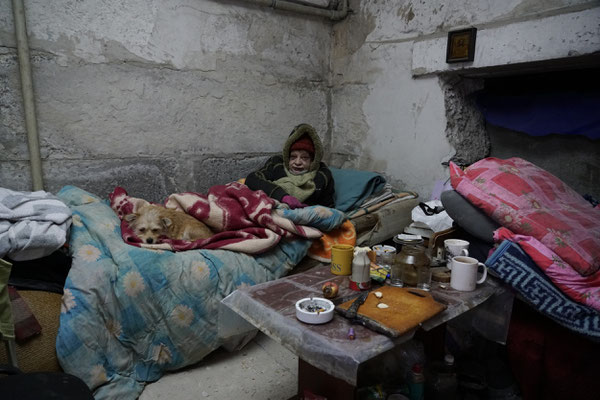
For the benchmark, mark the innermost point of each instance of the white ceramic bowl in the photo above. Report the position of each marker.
(307, 310)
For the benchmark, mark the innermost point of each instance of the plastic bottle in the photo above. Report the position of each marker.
(416, 383)
(442, 383)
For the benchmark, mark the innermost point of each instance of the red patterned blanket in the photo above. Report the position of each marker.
(244, 220)
(551, 222)
(530, 201)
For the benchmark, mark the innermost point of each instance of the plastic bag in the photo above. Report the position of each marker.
(432, 215)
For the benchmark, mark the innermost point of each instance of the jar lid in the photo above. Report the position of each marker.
(403, 238)
(380, 249)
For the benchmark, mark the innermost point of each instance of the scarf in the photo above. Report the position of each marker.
(299, 186)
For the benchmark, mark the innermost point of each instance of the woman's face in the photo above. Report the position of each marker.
(299, 161)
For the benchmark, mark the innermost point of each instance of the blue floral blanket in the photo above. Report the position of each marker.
(130, 314)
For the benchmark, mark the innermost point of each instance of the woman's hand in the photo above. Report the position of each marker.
(292, 202)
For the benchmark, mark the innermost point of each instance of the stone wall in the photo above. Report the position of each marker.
(159, 96)
(400, 109)
(164, 96)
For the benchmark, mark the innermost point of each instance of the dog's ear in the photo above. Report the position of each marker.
(166, 221)
(131, 217)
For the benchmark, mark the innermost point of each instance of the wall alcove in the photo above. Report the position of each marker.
(548, 117)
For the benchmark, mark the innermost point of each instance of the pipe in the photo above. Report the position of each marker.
(334, 15)
(35, 158)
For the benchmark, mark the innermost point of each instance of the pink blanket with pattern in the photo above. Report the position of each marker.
(583, 289)
(551, 222)
(244, 220)
(531, 201)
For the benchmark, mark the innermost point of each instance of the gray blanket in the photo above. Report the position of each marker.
(32, 224)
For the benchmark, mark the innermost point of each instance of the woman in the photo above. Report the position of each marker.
(297, 177)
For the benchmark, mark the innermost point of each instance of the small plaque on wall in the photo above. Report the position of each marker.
(461, 45)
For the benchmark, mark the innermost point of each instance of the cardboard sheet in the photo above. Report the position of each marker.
(407, 308)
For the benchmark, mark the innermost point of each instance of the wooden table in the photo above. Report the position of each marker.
(326, 348)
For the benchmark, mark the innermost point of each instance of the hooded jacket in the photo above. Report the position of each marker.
(276, 166)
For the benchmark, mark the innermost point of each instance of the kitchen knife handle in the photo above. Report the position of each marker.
(353, 309)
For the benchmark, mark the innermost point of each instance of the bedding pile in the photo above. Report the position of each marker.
(32, 224)
(129, 314)
(530, 201)
(244, 219)
(517, 269)
(551, 222)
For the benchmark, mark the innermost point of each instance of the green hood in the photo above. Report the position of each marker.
(297, 133)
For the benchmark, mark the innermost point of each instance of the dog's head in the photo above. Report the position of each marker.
(148, 224)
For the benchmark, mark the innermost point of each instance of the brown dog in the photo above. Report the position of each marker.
(153, 221)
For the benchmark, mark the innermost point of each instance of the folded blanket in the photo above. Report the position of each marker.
(384, 194)
(517, 269)
(352, 187)
(244, 220)
(32, 224)
(374, 206)
(320, 250)
(583, 289)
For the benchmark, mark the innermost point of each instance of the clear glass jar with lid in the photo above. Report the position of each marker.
(411, 257)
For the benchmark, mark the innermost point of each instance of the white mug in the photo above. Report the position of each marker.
(464, 273)
(455, 247)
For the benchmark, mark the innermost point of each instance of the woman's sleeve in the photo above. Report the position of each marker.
(263, 178)
(328, 187)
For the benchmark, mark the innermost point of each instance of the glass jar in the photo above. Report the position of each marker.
(407, 263)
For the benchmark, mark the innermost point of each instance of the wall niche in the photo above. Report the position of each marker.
(551, 119)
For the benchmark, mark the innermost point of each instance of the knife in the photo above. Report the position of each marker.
(351, 313)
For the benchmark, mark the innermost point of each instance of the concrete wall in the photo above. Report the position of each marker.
(159, 96)
(400, 109)
(163, 96)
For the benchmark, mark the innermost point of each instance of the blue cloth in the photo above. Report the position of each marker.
(517, 269)
(539, 114)
(352, 186)
(129, 314)
(320, 217)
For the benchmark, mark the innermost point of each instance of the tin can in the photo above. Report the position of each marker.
(341, 259)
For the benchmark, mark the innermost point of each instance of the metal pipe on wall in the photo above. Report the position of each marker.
(334, 15)
(35, 158)
(27, 82)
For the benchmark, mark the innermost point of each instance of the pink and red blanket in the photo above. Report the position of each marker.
(551, 222)
(245, 221)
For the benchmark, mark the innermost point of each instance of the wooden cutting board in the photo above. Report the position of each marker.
(408, 307)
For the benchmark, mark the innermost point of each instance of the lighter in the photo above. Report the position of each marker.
(351, 335)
